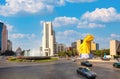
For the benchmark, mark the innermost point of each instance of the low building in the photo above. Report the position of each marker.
(61, 47)
(74, 45)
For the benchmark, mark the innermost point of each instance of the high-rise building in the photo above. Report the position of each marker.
(114, 47)
(48, 40)
(3, 37)
(9, 45)
(94, 46)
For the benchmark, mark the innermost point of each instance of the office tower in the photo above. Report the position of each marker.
(48, 40)
(114, 47)
(3, 37)
(94, 46)
(9, 45)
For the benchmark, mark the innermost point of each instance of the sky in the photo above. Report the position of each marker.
(72, 20)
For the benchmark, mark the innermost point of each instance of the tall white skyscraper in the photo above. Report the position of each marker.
(48, 40)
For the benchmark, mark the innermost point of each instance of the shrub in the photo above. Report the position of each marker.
(11, 58)
(33, 58)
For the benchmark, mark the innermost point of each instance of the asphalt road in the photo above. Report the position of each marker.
(61, 69)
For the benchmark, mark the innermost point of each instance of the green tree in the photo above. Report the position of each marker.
(74, 52)
(98, 53)
(62, 54)
(101, 52)
(69, 53)
(9, 53)
(107, 51)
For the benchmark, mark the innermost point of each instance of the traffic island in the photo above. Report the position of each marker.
(31, 59)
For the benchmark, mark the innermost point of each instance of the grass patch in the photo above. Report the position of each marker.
(15, 59)
(47, 60)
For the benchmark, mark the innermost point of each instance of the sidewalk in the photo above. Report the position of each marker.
(100, 60)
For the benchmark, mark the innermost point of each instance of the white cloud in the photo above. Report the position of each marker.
(69, 36)
(26, 44)
(94, 19)
(31, 6)
(90, 19)
(73, 21)
(12, 7)
(115, 35)
(103, 42)
(98, 18)
(102, 15)
(68, 33)
(54, 2)
(20, 36)
(65, 21)
(79, 1)
(86, 24)
(9, 27)
(25, 41)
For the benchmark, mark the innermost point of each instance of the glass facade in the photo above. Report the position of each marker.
(1, 28)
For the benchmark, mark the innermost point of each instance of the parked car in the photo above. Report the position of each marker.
(116, 64)
(86, 63)
(86, 72)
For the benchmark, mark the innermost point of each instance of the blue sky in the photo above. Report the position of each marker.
(72, 20)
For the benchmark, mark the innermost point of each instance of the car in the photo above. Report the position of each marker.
(86, 72)
(116, 64)
(86, 63)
